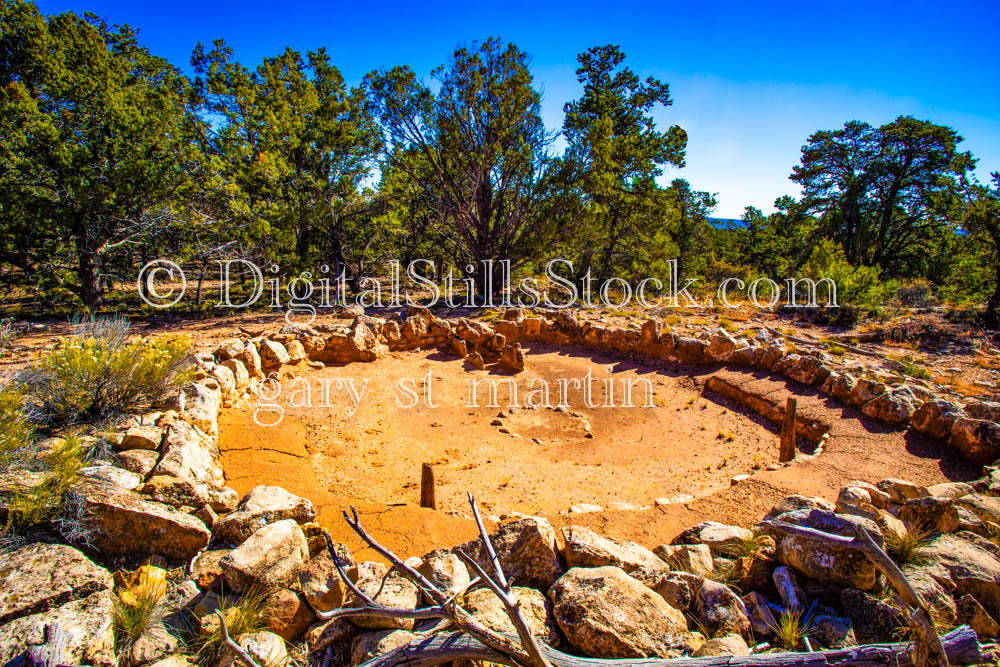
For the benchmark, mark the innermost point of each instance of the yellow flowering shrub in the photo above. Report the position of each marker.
(88, 379)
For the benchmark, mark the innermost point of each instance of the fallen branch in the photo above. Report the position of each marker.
(443, 607)
(961, 646)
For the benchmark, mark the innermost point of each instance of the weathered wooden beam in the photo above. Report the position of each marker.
(427, 492)
(960, 645)
(786, 451)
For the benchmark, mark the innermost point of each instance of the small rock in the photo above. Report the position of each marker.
(726, 645)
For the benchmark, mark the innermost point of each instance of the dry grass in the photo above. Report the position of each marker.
(749, 547)
(791, 628)
(907, 548)
(139, 608)
(245, 616)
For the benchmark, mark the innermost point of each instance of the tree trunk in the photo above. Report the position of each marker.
(88, 276)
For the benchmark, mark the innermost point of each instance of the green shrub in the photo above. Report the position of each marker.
(16, 430)
(858, 286)
(98, 374)
(35, 503)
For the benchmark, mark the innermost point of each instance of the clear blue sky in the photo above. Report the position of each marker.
(750, 80)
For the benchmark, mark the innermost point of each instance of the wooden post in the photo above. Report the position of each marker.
(787, 450)
(427, 498)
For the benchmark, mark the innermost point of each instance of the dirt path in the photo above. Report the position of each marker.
(688, 442)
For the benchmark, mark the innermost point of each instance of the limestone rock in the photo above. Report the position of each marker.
(206, 570)
(725, 645)
(930, 513)
(113, 475)
(718, 536)
(39, 577)
(893, 407)
(139, 461)
(605, 613)
(288, 616)
(535, 608)
(874, 621)
(585, 548)
(935, 417)
(971, 613)
(273, 354)
(527, 551)
(447, 572)
(719, 609)
(87, 620)
(392, 589)
(373, 644)
(693, 558)
(900, 490)
(792, 503)
(261, 506)
(141, 437)
(977, 439)
(270, 559)
(190, 455)
(321, 584)
(266, 648)
(674, 587)
(822, 561)
(201, 407)
(123, 522)
(966, 569)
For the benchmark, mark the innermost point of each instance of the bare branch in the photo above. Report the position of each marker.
(233, 646)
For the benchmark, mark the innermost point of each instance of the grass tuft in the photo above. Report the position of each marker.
(790, 628)
(139, 608)
(245, 616)
(749, 547)
(908, 548)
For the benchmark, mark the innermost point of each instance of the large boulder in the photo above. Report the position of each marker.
(820, 560)
(40, 577)
(965, 568)
(261, 506)
(585, 548)
(321, 584)
(977, 439)
(190, 455)
(527, 550)
(88, 622)
(930, 513)
(693, 558)
(719, 609)
(390, 589)
(935, 417)
(487, 608)
(893, 407)
(605, 613)
(269, 560)
(123, 522)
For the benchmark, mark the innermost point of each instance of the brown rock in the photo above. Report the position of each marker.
(605, 613)
(288, 616)
(585, 548)
(269, 559)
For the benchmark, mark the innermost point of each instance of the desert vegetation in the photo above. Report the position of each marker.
(401, 479)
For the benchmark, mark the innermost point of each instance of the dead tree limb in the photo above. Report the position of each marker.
(961, 646)
(443, 607)
(927, 645)
(501, 588)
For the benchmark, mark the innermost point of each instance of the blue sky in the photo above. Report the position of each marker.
(750, 81)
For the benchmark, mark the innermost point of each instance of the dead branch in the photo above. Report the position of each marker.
(444, 607)
(927, 645)
(501, 588)
(236, 649)
(961, 646)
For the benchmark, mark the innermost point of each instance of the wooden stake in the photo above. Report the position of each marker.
(787, 450)
(427, 498)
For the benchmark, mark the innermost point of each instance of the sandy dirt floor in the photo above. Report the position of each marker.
(543, 461)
